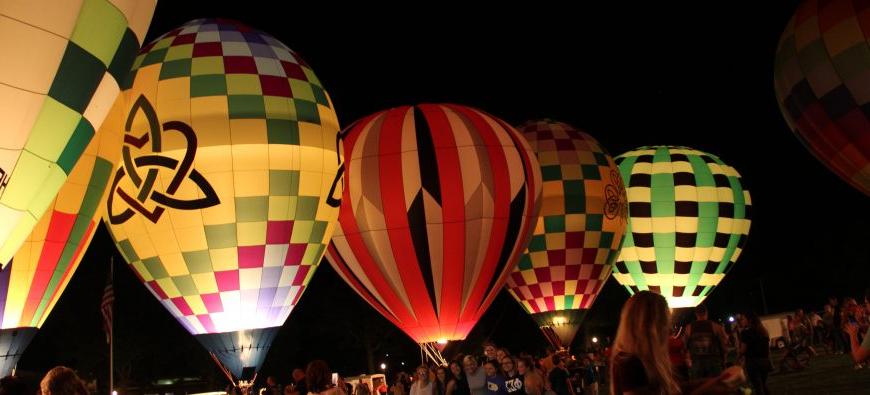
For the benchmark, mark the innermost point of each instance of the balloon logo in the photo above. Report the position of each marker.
(616, 204)
(183, 170)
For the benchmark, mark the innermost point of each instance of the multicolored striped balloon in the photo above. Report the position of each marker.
(438, 205)
(223, 203)
(579, 231)
(689, 217)
(33, 282)
(822, 80)
(62, 65)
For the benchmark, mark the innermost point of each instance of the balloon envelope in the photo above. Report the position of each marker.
(578, 233)
(221, 202)
(822, 81)
(33, 282)
(689, 217)
(62, 65)
(438, 205)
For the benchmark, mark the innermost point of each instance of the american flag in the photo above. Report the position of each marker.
(106, 305)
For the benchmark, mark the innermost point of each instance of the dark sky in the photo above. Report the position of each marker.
(697, 75)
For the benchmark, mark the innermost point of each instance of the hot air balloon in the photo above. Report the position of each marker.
(62, 65)
(578, 233)
(821, 80)
(223, 203)
(689, 217)
(32, 283)
(438, 204)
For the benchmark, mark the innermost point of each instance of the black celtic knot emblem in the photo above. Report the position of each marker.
(615, 201)
(146, 194)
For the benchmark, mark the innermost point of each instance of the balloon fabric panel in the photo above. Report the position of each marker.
(821, 80)
(689, 218)
(63, 63)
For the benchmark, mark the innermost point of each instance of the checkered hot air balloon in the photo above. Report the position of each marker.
(439, 202)
(689, 217)
(578, 233)
(41, 269)
(822, 81)
(223, 201)
(62, 62)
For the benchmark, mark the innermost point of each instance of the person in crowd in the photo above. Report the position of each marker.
(461, 387)
(706, 341)
(495, 383)
(299, 385)
(400, 387)
(837, 333)
(533, 382)
(589, 376)
(62, 380)
(475, 375)
(828, 328)
(272, 386)
(422, 385)
(817, 327)
(490, 352)
(639, 361)
(852, 318)
(558, 377)
(318, 380)
(15, 385)
(546, 363)
(445, 383)
(860, 348)
(801, 331)
(755, 352)
(500, 353)
(678, 354)
(514, 382)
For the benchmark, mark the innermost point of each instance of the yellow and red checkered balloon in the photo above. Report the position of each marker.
(578, 233)
(62, 63)
(227, 191)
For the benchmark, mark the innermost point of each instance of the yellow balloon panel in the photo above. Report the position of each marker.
(47, 259)
(58, 79)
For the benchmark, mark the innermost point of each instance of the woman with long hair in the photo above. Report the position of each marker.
(755, 351)
(640, 363)
(445, 383)
(533, 382)
(461, 384)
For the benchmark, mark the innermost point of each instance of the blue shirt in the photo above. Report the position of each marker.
(495, 385)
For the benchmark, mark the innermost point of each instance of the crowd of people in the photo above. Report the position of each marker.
(652, 353)
(841, 328)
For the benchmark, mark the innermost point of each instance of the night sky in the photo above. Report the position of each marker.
(698, 75)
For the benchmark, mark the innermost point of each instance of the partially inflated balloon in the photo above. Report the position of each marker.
(439, 203)
(689, 217)
(822, 80)
(41, 269)
(62, 65)
(578, 233)
(223, 202)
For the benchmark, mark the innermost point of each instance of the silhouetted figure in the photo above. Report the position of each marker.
(62, 380)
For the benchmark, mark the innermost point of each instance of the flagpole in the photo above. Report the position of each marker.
(112, 332)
